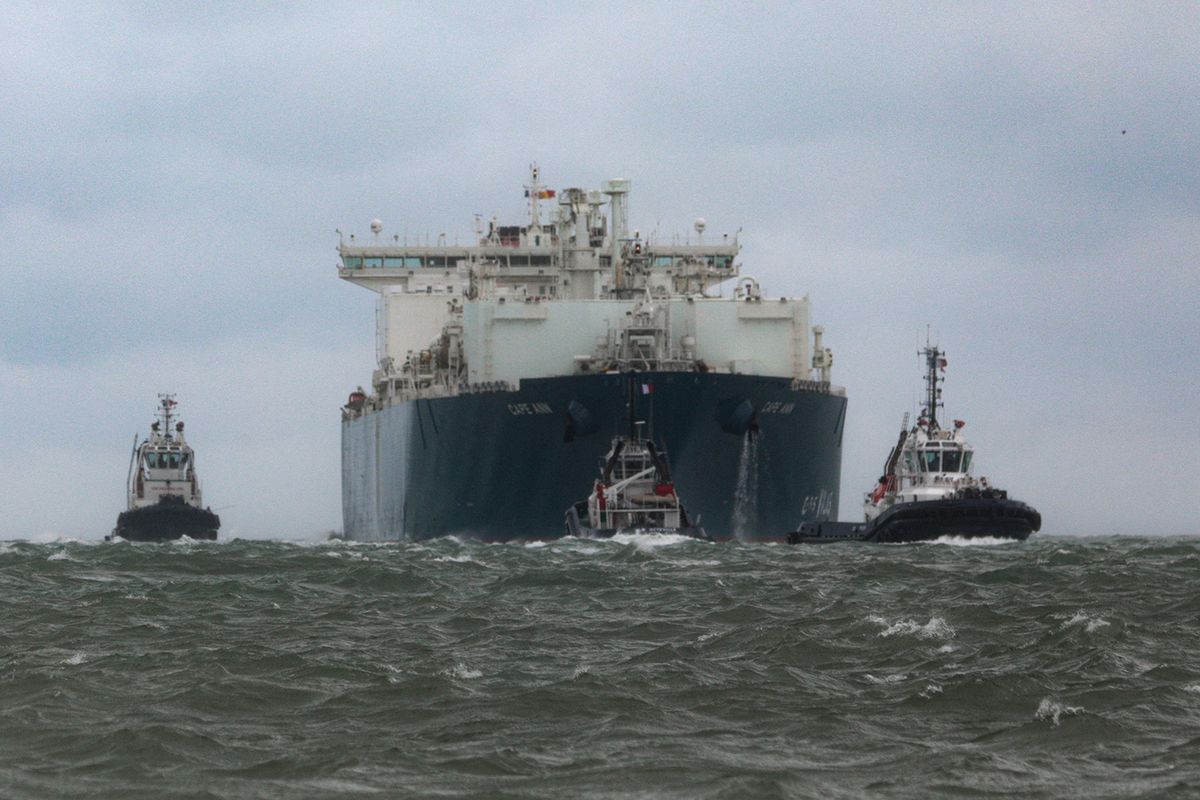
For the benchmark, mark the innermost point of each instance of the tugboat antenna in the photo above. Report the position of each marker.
(934, 360)
(166, 403)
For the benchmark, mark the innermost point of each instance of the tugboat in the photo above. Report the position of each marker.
(163, 490)
(927, 489)
(634, 494)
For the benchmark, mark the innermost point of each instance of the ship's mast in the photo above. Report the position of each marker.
(534, 190)
(166, 403)
(934, 360)
(617, 190)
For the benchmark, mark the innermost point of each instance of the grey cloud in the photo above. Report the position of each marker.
(960, 166)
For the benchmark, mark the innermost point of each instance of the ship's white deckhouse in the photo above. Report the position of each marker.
(560, 298)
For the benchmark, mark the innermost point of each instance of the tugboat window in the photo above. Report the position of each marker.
(967, 461)
(950, 460)
(930, 461)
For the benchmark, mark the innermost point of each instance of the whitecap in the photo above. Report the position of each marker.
(61, 555)
(1194, 688)
(886, 679)
(973, 541)
(650, 541)
(463, 672)
(74, 660)
(535, 545)
(1090, 624)
(936, 628)
(1052, 711)
(930, 691)
(463, 559)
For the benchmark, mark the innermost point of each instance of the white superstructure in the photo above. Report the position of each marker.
(575, 294)
(163, 465)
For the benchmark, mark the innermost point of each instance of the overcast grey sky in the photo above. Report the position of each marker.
(1023, 178)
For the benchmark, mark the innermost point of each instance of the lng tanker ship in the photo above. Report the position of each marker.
(503, 367)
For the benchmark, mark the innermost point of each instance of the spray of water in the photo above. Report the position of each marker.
(745, 498)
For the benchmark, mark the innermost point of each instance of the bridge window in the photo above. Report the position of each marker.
(352, 262)
(372, 263)
(951, 460)
(661, 261)
(166, 460)
(931, 460)
(967, 461)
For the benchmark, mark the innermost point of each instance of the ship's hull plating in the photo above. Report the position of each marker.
(752, 457)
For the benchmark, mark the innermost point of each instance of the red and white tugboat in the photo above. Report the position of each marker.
(634, 494)
(163, 491)
(927, 489)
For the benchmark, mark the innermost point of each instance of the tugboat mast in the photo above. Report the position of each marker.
(166, 403)
(934, 360)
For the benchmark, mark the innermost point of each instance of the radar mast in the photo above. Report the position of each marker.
(935, 360)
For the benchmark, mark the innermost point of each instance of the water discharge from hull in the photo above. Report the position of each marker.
(745, 498)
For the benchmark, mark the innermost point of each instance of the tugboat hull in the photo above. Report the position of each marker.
(968, 518)
(169, 519)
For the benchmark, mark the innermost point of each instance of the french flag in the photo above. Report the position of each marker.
(647, 388)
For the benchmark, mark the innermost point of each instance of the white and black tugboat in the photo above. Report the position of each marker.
(163, 490)
(927, 489)
(635, 493)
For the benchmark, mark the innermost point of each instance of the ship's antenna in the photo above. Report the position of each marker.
(934, 360)
(167, 402)
(534, 191)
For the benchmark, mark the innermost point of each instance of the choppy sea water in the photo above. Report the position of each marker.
(636, 668)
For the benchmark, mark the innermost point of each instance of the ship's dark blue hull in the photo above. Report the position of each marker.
(752, 457)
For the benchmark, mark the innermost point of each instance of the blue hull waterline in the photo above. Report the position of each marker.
(753, 456)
